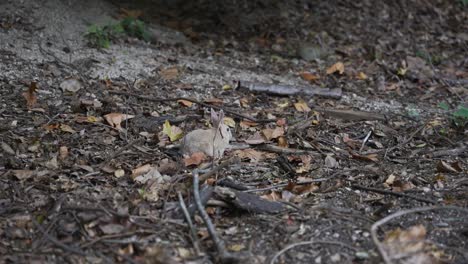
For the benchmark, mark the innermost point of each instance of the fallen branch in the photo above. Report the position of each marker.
(284, 89)
(281, 150)
(376, 225)
(303, 243)
(350, 114)
(248, 202)
(420, 199)
(193, 232)
(223, 254)
(56, 242)
(232, 112)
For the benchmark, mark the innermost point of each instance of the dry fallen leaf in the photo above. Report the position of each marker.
(337, 67)
(251, 154)
(305, 164)
(309, 76)
(169, 73)
(173, 132)
(185, 103)
(368, 157)
(30, 95)
(67, 128)
(245, 124)
(283, 142)
(114, 119)
(214, 101)
(23, 174)
(229, 122)
(244, 102)
(412, 244)
(63, 152)
(255, 139)
(362, 76)
(281, 122)
(195, 159)
(270, 133)
(302, 106)
(141, 170)
(272, 196)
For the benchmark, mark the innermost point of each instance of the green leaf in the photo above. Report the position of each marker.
(461, 112)
(174, 133)
(444, 106)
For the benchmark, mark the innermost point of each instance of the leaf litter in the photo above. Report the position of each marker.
(83, 190)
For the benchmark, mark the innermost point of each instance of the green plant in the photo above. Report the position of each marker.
(429, 58)
(102, 36)
(459, 117)
(135, 28)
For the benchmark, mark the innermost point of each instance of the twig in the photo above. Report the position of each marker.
(193, 233)
(376, 225)
(224, 164)
(281, 150)
(286, 184)
(406, 141)
(272, 261)
(220, 247)
(232, 112)
(364, 141)
(115, 154)
(424, 200)
(56, 242)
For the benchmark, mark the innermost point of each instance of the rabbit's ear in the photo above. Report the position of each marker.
(221, 116)
(214, 118)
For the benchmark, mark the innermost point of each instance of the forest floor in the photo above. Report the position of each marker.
(370, 169)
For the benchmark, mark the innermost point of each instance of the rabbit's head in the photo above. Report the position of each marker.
(225, 132)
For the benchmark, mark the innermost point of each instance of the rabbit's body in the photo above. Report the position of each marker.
(207, 141)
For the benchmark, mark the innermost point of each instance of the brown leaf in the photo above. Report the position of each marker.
(195, 159)
(141, 170)
(270, 133)
(255, 139)
(185, 103)
(214, 101)
(63, 152)
(272, 196)
(281, 122)
(302, 106)
(245, 124)
(23, 174)
(309, 76)
(169, 73)
(244, 102)
(368, 157)
(168, 166)
(305, 164)
(337, 67)
(251, 154)
(282, 142)
(30, 95)
(114, 119)
(67, 128)
(361, 76)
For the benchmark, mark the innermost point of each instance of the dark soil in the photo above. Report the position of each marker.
(68, 186)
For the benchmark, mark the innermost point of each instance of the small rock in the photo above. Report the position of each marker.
(71, 85)
(7, 148)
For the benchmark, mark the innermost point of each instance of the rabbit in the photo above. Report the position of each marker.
(211, 142)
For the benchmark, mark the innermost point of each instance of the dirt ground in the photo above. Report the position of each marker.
(90, 170)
